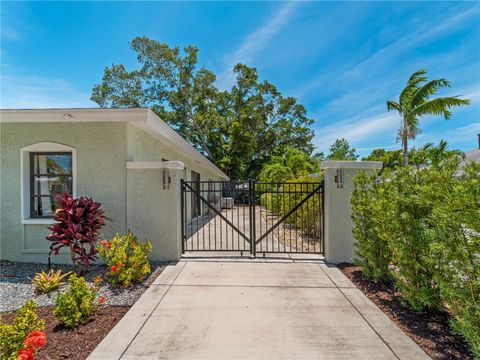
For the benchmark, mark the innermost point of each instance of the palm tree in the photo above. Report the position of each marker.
(415, 102)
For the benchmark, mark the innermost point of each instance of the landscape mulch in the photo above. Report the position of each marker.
(77, 343)
(430, 330)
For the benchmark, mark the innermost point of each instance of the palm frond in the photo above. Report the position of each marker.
(439, 106)
(430, 88)
(412, 85)
(392, 105)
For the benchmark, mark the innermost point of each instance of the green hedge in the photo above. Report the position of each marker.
(421, 228)
(308, 216)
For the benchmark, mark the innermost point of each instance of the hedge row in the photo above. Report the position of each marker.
(282, 197)
(421, 228)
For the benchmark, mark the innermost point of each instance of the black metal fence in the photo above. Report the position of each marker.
(274, 217)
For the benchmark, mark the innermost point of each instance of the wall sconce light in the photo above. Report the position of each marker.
(339, 179)
(166, 179)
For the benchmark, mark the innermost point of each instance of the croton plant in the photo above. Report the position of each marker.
(78, 227)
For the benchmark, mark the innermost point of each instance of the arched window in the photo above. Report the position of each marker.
(48, 169)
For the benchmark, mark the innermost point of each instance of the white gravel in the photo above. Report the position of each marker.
(16, 285)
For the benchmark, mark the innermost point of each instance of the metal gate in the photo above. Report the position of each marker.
(253, 217)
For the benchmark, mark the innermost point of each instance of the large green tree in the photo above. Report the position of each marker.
(239, 129)
(414, 102)
(341, 150)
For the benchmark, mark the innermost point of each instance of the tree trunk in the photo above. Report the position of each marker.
(405, 142)
(405, 151)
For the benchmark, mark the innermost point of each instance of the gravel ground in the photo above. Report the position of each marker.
(16, 285)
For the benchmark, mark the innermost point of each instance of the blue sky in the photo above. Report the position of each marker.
(342, 60)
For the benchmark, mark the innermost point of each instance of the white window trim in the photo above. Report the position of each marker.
(25, 177)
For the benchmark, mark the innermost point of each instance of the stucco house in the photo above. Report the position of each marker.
(127, 159)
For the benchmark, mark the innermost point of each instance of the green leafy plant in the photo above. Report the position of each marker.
(426, 221)
(46, 282)
(76, 305)
(371, 213)
(457, 252)
(79, 222)
(13, 336)
(126, 258)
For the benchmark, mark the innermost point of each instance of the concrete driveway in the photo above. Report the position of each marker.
(251, 309)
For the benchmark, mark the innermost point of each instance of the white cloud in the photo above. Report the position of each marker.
(20, 91)
(389, 54)
(409, 41)
(355, 130)
(255, 42)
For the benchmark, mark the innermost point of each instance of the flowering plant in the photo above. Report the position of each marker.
(20, 339)
(126, 258)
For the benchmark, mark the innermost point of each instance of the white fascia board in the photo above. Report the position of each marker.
(177, 165)
(337, 164)
(72, 115)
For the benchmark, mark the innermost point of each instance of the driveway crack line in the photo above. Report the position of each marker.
(358, 311)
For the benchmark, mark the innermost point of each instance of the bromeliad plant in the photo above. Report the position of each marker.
(46, 282)
(79, 224)
(126, 258)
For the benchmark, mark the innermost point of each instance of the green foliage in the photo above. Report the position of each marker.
(239, 129)
(46, 282)
(391, 159)
(410, 237)
(13, 335)
(414, 102)
(428, 154)
(424, 224)
(76, 305)
(457, 251)
(292, 164)
(371, 213)
(126, 258)
(340, 150)
(306, 218)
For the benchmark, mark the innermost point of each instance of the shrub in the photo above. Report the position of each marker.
(80, 221)
(13, 336)
(457, 252)
(430, 221)
(291, 193)
(411, 238)
(75, 306)
(46, 282)
(371, 213)
(126, 258)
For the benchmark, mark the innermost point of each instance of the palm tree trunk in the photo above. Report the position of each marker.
(405, 142)
(405, 151)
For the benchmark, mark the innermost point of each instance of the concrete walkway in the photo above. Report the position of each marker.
(251, 309)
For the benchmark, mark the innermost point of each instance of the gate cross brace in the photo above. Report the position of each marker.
(284, 217)
(217, 212)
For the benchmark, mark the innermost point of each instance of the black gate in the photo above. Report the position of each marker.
(254, 217)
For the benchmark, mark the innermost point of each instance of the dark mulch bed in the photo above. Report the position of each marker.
(430, 330)
(77, 343)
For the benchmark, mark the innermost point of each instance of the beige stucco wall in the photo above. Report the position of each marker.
(131, 198)
(339, 240)
(101, 174)
(144, 147)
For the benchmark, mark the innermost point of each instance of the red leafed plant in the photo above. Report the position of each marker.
(79, 224)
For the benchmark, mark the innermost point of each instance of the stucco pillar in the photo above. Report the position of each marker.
(153, 206)
(339, 241)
